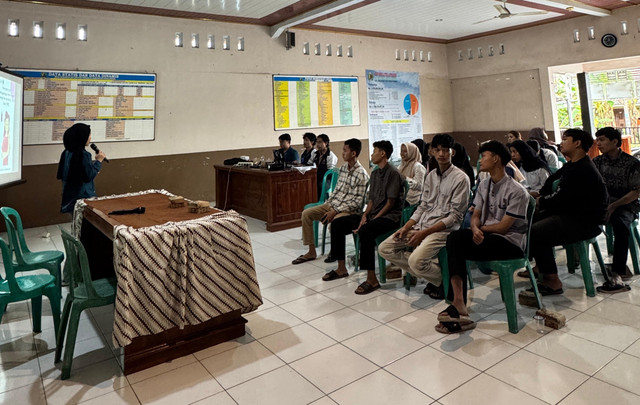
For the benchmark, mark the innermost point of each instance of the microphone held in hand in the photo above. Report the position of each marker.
(96, 150)
(139, 210)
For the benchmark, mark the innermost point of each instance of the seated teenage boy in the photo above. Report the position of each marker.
(443, 203)
(290, 155)
(383, 214)
(498, 231)
(568, 213)
(346, 198)
(621, 174)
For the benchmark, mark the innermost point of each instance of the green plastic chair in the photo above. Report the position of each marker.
(582, 248)
(443, 260)
(333, 175)
(83, 293)
(26, 260)
(29, 287)
(505, 270)
(634, 244)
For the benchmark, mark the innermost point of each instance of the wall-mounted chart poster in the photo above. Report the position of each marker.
(117, 106)
(315, 101)
(393, 100)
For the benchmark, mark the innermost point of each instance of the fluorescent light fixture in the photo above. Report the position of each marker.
(38, 29)
(421, 56)
(211, 41)
(501, 49)
(318, 50)
(195, 40)
(413, 56)
(576, 35)
(470, 54)
(240, 43)
(305, 48)
(61, 31)
(327, 51)
(406, 55)
(82, 32)
(177, 40)
(624, 29)
(459, 55)
(591, 33)
(429, 58)
(14, 28)
(339, 51)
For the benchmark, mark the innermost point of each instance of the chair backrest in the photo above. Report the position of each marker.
(7, 262)
(17, 242)
(330, 178)
(77, 264)
(531, 209)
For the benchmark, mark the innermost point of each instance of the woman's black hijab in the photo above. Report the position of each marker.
(424, 150)
(461, 160)
(74, 139)
(529, 159)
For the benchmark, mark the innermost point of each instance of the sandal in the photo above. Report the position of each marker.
(454, 327)
(333, 275)
(302, 259)
(366, 288)
(329, 258)
(451, 315)
(437, 293)
(543, 290)
(608, 288)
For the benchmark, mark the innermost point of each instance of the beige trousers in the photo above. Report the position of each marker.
(422, 262)
(314, 214)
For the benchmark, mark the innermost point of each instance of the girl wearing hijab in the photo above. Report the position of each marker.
(76, 169)
(534, 170)
(413, 171)
(461, 160)
(550, 152)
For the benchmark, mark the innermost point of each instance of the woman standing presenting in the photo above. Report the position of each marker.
(76, 168)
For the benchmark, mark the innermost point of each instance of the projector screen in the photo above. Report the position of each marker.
(11, 87)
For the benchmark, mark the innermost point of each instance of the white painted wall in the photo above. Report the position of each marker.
(210, 99)
(516, 84)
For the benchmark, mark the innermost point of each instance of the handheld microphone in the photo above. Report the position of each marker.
(139, 210)
(96, 150)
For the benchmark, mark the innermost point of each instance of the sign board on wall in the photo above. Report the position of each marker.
(118, 106)
(315, 101)
(393, 101)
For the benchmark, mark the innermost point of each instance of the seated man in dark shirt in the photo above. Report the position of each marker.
(568, 213)
(621, 174)
(290, 155)
(383, 214)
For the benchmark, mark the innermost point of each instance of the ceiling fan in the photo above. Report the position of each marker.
(505, 13)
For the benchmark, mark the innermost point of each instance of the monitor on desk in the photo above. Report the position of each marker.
(278, 156)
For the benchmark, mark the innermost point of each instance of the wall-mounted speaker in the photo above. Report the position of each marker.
(289, 39)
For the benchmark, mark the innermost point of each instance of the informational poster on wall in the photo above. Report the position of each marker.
(117, 106)
(393, 108)
(315, 101)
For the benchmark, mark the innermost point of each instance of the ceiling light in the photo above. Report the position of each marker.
(14, 28)
(61, 31)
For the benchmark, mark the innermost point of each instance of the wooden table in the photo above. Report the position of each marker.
(97, 235)
(276, 197)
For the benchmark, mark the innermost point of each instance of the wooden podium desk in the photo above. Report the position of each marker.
(184, 279)
(276, 197)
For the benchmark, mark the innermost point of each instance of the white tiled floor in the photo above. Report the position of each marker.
(317, 342)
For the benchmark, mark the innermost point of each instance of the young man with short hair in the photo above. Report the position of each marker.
(346, 198)
(621, 174)
(383, 214)
(567, 213)
(443, 203)
(498, 231)
(290, 155)
(308, 154)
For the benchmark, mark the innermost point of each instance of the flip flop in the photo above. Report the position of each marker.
(437, 293)
(452, 315)
(333, 275)
(366, 288)
(302, 259)
(545, 291)
(454, 327)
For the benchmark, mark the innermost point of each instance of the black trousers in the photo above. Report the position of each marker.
(620, 222)
(461, 247)
(343, 226)
(554, 230)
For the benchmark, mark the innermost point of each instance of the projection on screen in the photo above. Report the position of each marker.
(10, 127)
